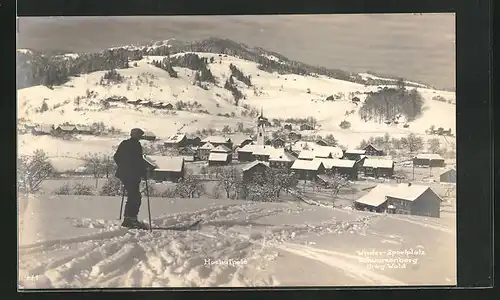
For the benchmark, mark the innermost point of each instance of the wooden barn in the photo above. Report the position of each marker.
(176, 141)
(254, 168)
(189, 154)
(245, 153)
(431, 160)
(166, 168)
(378, 167)
(263, 153)
(146, 103)
(43, 130)
(403, 198)
(65, 129)
(204, 151)
(306, 127)
(168, 106)
(344, 167)
(308, 169)
(193, 140)
(219, 159)
(373, 151)
(134, 102)
(294, 136)
(282, 159)
(449, 176)
(287, 127)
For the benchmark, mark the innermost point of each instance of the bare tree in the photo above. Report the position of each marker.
(32, 170)
(229, 179)
(189, 187)
(412, 142)
(94, 163)
(279, 180)
(336, 182)
(434, 145)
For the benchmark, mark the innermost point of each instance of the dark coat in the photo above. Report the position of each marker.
(129, 160)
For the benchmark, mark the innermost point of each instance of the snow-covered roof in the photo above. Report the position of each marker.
(238, 139)
(335, 151)
(189, 158)
(166, 163)
(282, 156)
(65, 164)
(145, 102)
(430, 156)
(149, 133)
(355, 151)
(248, 148)
(452, 170)
(403, 191)
(253, 164)
(264, 150)
(175, 138)
(371, 145)
(335, 162)
(312, 165)
(378, 163)
(83, 128)
(221, 149)
(217, 156)
(207, 146)
(216, 139)
(44, 128)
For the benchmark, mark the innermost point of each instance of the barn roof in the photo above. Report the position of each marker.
(248, 148)
(264, 150)
(282, 156)
(335, 162)
(378, 163)
(371, 145)
(207, 146)
(165, 163)
(430, 156)
(312, 165)
(452, 170)
(379, 194)
(216, 139)
(238, 139)
(44, 128)
(253, 164)
(67, 127)
(221, 149)
(216, 156)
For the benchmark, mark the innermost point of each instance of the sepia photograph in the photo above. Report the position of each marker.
(236, 151)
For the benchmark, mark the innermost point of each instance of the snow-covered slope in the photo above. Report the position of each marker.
(68, 241)
(281, 96)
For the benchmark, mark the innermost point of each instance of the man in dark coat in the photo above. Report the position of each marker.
(131, 169)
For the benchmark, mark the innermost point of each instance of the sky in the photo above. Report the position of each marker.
(418, 47)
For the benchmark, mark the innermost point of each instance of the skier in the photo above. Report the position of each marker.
(131, 169)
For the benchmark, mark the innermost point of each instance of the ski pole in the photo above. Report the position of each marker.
(149, 204)
(121, 204)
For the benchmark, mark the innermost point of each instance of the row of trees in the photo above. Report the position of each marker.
(411, 143)
(239, 75)
(165, 65)
(231, 86)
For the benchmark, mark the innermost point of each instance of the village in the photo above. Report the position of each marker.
(239, 166)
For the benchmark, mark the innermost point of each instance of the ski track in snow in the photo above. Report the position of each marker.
(117, 257)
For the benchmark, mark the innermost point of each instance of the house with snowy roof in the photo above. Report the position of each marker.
(240, 140)
(204, 151)
(148, 136)
(378, 167)
(431, 160)
(219, 159)
(166, 168)
(217, 141)
(308, 169)
(178, 140)
(345, 167)
(448, 176)
(403, 198)
(373, 151)
(282, 159)
(65, 129)
(353, 154)
(254, 168)
(42, 130)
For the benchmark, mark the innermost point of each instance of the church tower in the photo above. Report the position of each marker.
(261, 128)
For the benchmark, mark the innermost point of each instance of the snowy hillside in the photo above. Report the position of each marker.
(79, 245)
(280, 96)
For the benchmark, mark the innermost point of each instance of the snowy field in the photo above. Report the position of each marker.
(75, 241)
